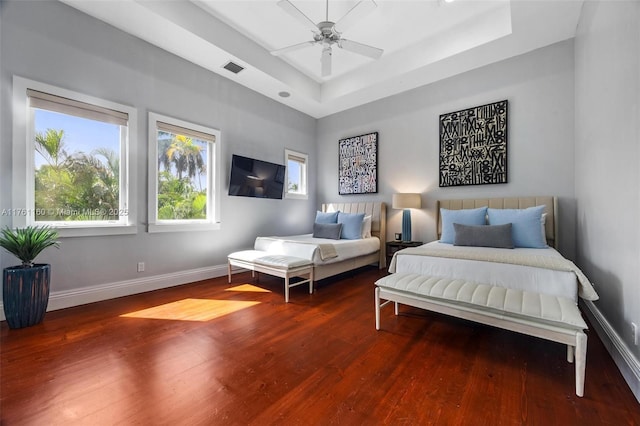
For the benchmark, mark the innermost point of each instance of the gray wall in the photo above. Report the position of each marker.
(607, 124)
(539, 88)
(56, 44)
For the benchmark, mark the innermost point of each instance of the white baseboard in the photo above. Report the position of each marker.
(69, 298)
(627, 363)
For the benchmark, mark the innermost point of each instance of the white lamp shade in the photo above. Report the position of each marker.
(406, 201)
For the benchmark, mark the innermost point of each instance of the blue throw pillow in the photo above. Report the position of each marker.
(463, 217)
(526, 225)
(322, 217)
(351, 225)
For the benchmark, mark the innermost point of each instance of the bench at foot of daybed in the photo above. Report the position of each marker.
(273, 264)
(549, 317)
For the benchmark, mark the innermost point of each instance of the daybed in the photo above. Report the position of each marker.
(331, 257)
(529, 290)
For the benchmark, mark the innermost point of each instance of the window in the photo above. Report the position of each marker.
(296, 174)
(75, 149)
(183, 175)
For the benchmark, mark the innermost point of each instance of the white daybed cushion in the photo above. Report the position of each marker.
(281, 261)
(526, 278)
(306, 246)
(272, 260)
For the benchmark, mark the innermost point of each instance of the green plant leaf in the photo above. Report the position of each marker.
(27, 243)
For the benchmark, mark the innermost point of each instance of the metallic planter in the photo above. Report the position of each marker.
(25, 294)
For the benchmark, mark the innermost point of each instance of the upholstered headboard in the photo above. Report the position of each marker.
(378, 212)
(550, 203)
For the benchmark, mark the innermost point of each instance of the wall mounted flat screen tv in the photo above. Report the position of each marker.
(256, 178)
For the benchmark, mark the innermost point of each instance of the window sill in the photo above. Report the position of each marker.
(93, 231)
(296, 196)
(182, 227)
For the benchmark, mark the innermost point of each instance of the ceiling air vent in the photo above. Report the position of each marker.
(233, 67)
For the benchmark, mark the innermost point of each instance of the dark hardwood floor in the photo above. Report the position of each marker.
(211, 353)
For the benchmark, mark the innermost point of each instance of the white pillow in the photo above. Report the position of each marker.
(366, 227)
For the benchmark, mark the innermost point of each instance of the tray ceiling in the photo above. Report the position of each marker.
(423, 40)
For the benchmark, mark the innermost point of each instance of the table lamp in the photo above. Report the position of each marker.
(406, 201)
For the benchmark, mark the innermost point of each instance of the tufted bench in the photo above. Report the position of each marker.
(273, 264)
(549, 317)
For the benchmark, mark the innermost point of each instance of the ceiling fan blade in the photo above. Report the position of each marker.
(292, 48)
(357, 12)
(361, 49)
(325, 62)
(288, 7)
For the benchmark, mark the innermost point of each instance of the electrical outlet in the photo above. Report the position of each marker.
(636, 334)
(140, 266)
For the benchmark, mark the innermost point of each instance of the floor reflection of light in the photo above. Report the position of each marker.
(248, 288)
(192, 310)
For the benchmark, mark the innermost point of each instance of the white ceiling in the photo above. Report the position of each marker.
(423, 41)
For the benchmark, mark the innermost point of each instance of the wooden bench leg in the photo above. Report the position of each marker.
(380, 304)
(570, 353)
(286, 288)
(377, 300)
(301, 275)
(581, 361)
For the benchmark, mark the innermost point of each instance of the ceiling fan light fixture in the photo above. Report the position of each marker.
(329, 33)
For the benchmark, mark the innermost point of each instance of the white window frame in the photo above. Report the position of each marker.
(23, 185)
(213, 179)
(304, 178)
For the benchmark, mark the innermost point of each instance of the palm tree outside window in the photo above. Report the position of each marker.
(183, 175)
(77, 157)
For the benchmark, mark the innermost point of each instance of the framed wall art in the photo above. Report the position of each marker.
(358, 164)
(473, 145)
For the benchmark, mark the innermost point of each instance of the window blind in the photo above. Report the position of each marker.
(292, 157)
(178, 130)
(55, 103)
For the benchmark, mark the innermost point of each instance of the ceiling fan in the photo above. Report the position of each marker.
(328, 33)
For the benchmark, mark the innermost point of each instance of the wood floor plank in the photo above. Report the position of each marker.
(211, 353)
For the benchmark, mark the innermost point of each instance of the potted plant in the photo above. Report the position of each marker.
(25, 288)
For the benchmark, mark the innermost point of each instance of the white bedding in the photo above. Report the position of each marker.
(307, 247)
(528, 278)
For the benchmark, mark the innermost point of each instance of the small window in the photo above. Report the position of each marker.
(296, 174)
(182, 176)
(77, 160)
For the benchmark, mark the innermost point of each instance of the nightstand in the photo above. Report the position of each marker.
(394, 246)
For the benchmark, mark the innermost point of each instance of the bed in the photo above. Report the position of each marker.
(534, 291)
(331, 257)
(447, 260)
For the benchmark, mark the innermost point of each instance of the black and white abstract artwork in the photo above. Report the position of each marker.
(473, 146)
(358, 164)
